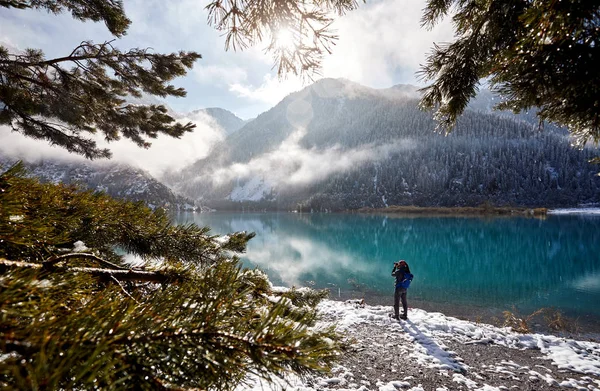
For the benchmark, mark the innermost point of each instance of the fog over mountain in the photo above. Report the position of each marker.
(116, 179)
(212, 126)
(339, 145)
(225, 119)
(131, 173)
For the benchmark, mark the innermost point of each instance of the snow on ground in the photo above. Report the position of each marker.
(255, 189)
(424, 353)
(575, 211)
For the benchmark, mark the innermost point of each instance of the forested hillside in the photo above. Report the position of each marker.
(338, 145)
(115, 179)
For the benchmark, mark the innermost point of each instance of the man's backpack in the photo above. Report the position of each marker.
(405, 282)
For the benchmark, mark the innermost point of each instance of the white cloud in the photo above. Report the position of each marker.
(16, 146)
(165, 153)
(271, 91)
(380, 40)
(9, 44)
(168, 152)
(213, 74)
(293, 165)
(380, 44)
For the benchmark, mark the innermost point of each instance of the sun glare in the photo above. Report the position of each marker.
(284, 39)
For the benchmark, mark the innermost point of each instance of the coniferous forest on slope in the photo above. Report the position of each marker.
(500, 159)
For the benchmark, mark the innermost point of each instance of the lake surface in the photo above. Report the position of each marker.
(462, 266)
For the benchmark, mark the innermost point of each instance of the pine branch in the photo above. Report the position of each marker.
(109, 11)
(310, 23)
(539, 55)
(123, 289)
(98, 53)
(50, 262)
(87, 99)
(108, 274)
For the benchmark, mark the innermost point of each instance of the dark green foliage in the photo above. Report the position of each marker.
(208, 328)
(202, 333)
(536, 54)
(64, 99)
(109, 11)
(308, 297)
(38, 220)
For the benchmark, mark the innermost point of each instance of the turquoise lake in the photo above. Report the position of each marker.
(462, 266)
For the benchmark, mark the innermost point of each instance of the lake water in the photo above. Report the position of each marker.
(472, 267)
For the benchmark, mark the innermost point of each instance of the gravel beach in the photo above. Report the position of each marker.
(432, 351)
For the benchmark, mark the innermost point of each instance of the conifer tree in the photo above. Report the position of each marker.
(64, 100)
(76, 316)
(541, 55)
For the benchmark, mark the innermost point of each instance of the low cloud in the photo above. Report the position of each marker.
(165, 153)
(14, 145)
(291, 164)
(168, 153)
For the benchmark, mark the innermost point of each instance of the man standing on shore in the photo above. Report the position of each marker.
(403, 278)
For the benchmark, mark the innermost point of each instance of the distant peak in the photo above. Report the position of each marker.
(405, 87)
(407, 90)
(334, 88)
(336, 83)
(215, 111)
(224, 118)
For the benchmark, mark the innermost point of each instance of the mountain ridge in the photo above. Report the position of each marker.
(117, 179)
(227, 120)
(345, 138)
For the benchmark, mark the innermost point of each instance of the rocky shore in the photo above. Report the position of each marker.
(431, 351)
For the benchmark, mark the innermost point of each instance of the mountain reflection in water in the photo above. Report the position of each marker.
(486, 263)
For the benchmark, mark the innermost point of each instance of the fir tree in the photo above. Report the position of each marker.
(536, 54)
(76, 316)
(64, 100)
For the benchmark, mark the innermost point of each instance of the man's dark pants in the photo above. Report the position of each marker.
(400, 294)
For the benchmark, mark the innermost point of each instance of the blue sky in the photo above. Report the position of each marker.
(380, 44)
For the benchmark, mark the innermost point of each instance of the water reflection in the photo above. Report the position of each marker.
(491, 263)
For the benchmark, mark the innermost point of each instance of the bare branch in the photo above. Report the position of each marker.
(108, 274)
(54, 260)
(123, 289)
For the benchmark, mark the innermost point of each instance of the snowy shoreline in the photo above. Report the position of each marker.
(574, 211)
(432, 351)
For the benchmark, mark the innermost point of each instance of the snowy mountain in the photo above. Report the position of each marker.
(340, 145)
(121, 180)
(116, 179)
(224, 118)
